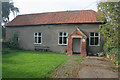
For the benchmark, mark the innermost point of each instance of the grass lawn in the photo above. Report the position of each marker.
(30, 64)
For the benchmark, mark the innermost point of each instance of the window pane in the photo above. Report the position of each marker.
(96, 40)
(96, 34)
(60, 34)
(65, 40)
(39, 34)
(91, 34)
(60, 40)
(35, 34)
(92, 41)
(39, 39)
(65, 34)
(35, 39)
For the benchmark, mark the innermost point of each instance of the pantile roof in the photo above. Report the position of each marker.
(78, 16)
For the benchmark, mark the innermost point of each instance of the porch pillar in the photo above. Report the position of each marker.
(69, 46)
(83, 47)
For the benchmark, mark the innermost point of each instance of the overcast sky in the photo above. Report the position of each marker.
(40, 6)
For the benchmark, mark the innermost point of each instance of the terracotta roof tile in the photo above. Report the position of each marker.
(79, 16)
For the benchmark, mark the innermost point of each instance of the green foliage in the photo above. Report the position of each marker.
(7, 7)
(5, 50)
(13, 41)
(30, 64)
(115, 51)
(111, 12)
(8, 50)
(3, 33)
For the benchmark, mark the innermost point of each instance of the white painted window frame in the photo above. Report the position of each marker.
(94, 37)
(62, 38)
(37, 37)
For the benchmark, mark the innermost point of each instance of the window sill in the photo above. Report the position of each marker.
(94, 45)
(62, 44)
(37, 43)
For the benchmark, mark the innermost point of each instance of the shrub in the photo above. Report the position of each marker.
(5, 44)
(12, 42)
(115, 52)
(6, 50)
(113, 55)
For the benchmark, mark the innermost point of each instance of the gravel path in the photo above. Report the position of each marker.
(90, 67)
(97, 67)
(69, 69)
